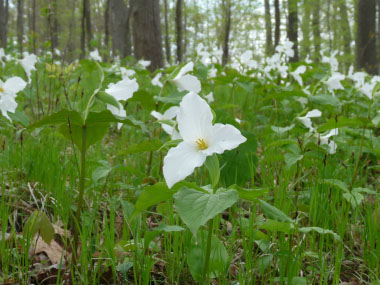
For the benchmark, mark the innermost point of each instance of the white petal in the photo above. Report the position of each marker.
(157, 115)
(171, 113)
(7, 104)
(194, 118)
(210, 97)
(180, 162)
(224, 137)
(14, 85)
(184, 70)
(313, 114)
(306, 122)
(188, 83)
(122, 90)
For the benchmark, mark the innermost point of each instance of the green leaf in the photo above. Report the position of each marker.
(291, 158)
(19, 117)
(145, 98)
(249, 194)
(212, 165)
(59, 118)
(274, 213)
(149, 236)
(107, 99)
(144, 146)
(196, 256)
(101, 171)
(324, 100)
(195, 208)
(170, 144)
(39, 222)
(344, 122)
(320, 231)
(280, 130)
(337, 183)
(152, 195)
(272, 225)
(355, 198)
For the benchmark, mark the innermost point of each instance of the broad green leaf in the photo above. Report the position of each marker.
(324, 100)
(280, 130)
(101, 172)
(59, 118)
(19, 117)
(212, 165)
(320, 231)
(196, 256)
(337, 183)
(249, 194)
(355, 198)
(274, 213)
(144, 146)
(145, 98)
(195, 208)
(150, 235)
(292, 158)
(344, 122)
(276, 226)
(39, 222)
(107, 99)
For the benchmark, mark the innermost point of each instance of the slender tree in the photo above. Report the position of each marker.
(277, 22)
(293, 26)
(4, 12)
(147, 32)
(316, 30)
(86, 27)
(20, 25)
(345, 26)
(306, 21)
(121, 32)
(167, 41)
(179, 30)
(107, 27)
(227, 30)
(268, 29)
(366, 54)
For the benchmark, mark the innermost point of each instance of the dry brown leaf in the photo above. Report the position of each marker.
(54, 251)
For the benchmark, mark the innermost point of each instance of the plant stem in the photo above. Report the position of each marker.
(81, 190)
(358, 160)
(208, 252)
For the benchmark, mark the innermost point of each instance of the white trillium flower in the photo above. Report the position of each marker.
(117, 112)
(95, 55)
(297, 74)
(246, 59)
(169, 115)
(187, 82)
(212, 72)
(306, 121)
(28, 63)
(156, 80)
(200, 139)
(286, 48)
(326, 140)
(334, 64)
(122, 90)
(126, 73)
(8, 93)
(210, 97)
(333, 83)
(144, 63)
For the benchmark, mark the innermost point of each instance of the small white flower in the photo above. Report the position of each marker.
(334, 64)
(286, 48)
(169, 115)
(156, 80)
(326, 140)
(187, 82)
(210, 97)
(306, 119)
(95, 55)
(122, 90)
(212, 72)
(144, 63)
(333, 83)
(28, 63)
(297, 74)
(117, 112)
(126, 73)
(246, 59)
(8, 93)
(200, 139)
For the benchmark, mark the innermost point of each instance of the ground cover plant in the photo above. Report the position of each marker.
(251, 173)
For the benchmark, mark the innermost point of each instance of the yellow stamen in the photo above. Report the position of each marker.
(202, 145)
(2, 90)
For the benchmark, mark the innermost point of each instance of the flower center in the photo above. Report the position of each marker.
(202, 145)
(2, 90)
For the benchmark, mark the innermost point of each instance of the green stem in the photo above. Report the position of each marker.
(208, 252)
(358, 159)
(81, 190)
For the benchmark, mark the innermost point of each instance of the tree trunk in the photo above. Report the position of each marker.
(277, 22)
(20, 24)
(147, 32)
(316, 30)
(179, 29)
(121, 34)
(86, 32)
(107, 28)
(4, 6)
(268, 29)
(33, 26)
(366, 56)
(227, 30)
(293, 27)
(167, 42)
(345, 27)
(305, 46)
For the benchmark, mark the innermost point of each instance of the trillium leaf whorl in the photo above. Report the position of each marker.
(200, 139)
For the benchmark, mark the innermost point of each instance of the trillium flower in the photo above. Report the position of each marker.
(326, 140)
(333, 83)
(122, 90)
(246, 59)
(212, 72)
(117, 112)
(28, 63)
(8, 93)
(156, 80)
(306, 121)
(334, 64)
(95, 55)
(297, 74)
(144, 63)
(200, 139)
(169, 115)
(185, 81)
(286, 48)
(126, 73)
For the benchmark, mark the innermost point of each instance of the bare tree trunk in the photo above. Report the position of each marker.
(277, 22)
(70, 43)
(345, 27)
(293, 27)
(86, 32)
(4, 6)
(316, 30)
(20, 24)
(107, 28)
(167, 42)
(147, 32)
(227, 30)
(366, 56)
(53, 25)
(33, 26)
(179, 30)
(121, 34)
(305, 46)
(268, 29)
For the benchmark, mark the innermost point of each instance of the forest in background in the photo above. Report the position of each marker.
(169, 31)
